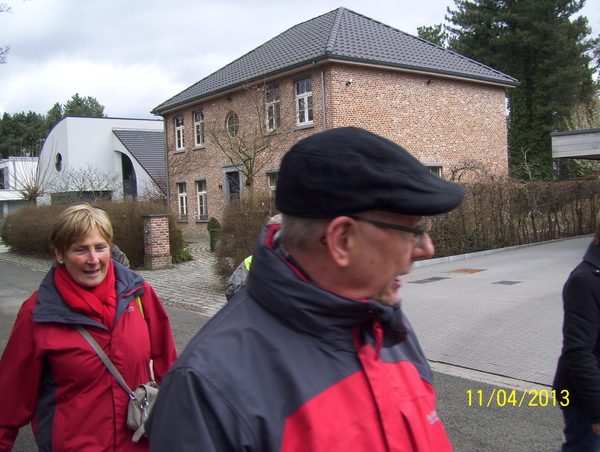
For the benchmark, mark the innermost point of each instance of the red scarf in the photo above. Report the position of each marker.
(98, 303)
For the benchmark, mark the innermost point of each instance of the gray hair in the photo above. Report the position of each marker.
(302, 234)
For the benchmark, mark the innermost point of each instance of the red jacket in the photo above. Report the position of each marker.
(287, 366)
(50, 375)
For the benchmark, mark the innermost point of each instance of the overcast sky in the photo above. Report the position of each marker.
(131, 55)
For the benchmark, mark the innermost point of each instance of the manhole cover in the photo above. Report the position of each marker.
(428, 280)
(507, 283)
(467, 270)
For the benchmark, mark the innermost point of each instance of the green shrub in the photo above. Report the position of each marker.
(241, 225)
(183, 256)
(27, 230)
(214, 232)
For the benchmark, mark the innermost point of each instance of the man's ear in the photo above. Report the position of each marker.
(340, 238)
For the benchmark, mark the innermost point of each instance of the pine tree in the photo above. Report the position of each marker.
(546, 49)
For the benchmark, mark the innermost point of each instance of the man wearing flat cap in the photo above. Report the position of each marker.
(315, 354)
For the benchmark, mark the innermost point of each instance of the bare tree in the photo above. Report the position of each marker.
(151, 191)
(4, 8)
(85, 183)
(584, 115)
(468, 166)
(531, 169)
(251, 128)
(20, 175)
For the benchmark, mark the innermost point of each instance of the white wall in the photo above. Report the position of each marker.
(18, 171)
(90, 142)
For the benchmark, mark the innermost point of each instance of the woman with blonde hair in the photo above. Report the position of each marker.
(51, 376)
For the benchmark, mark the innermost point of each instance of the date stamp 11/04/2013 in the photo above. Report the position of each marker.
(514, 398)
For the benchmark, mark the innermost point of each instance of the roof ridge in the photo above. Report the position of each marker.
(136, 129)
(340, 34)
(337, 23)
(249, 52)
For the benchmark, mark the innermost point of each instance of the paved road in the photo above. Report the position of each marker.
(490, 325)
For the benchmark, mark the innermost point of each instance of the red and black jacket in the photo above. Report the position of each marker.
(288, 366)
(52, 377)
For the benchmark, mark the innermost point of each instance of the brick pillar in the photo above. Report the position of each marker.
(157, 248)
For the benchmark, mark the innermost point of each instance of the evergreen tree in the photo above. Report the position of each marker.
(546, 49)
(83, 106)
(24, 133)
(435, 33)
(76, 106)
(54, 115)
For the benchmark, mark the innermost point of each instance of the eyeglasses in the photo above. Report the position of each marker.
(419, 233)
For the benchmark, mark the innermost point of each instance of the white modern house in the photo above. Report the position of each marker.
(16, 173)
(114, 158)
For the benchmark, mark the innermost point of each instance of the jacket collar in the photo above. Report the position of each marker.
(280, 288)
(51, 308)
(592, 255)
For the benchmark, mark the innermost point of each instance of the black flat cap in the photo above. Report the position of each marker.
(348, 170)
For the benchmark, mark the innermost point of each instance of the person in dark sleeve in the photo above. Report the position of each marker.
(315, 353)
(577, 379)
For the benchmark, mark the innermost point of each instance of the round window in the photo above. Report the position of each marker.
(233, 124)
(58, 163)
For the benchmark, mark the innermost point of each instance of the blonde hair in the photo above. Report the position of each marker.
(75, 223)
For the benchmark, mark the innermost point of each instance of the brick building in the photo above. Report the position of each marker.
(229, 130)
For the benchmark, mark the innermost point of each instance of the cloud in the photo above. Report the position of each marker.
(133, 55)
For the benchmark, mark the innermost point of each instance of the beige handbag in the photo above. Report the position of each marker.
(142, 400)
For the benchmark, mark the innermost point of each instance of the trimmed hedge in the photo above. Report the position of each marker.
(499, 214)
(27, 230)
(494, 214)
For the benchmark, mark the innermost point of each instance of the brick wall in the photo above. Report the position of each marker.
(453, 123)
(157, 248)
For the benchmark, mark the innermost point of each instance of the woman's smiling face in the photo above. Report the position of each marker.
(87, 261)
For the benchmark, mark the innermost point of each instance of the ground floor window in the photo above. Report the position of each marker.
(202, 200)
(435, 168)
(272, 181)
(182, 200)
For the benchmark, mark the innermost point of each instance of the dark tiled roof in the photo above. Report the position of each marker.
(148, 148)
(344, 35)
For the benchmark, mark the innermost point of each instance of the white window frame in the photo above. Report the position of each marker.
(272, 181)
(304, 103)
(435, 168)
(182, 200)
(202, 199)
(179, 133)
(232, 124)
(273, 107)
(199, 128)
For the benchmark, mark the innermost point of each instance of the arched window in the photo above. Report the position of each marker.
(233, 124)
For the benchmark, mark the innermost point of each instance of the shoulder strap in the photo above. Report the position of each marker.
(105, 359)
(139, 303)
